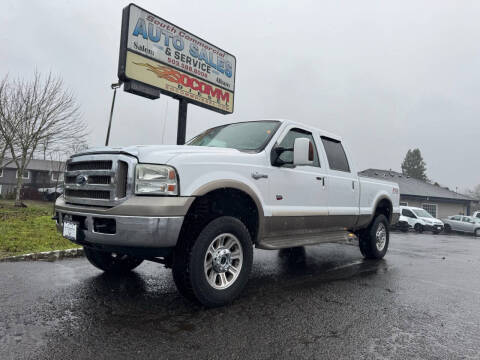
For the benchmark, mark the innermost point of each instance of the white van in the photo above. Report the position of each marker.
(421, 220)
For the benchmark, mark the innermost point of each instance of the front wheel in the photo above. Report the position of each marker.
(374, 240)
(111, 262)
(448, 229)
(477, 232)
(214, 269)
(418, 228)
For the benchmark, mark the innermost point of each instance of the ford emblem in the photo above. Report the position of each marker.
(81, 180)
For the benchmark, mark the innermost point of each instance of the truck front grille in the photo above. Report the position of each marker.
(90, 165)
(88, 194)
(103, 179)
(93, 179)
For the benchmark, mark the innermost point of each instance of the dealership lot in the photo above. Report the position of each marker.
(421, 301)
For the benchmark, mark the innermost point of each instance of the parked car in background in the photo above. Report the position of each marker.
(466, 224)
(402, 224)
(476, 214)
(52, 193)
(421, 220)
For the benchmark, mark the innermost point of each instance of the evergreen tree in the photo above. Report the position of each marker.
(414, 166)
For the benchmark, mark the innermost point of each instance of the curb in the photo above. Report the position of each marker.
(46, 255)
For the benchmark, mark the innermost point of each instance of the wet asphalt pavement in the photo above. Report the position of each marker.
(421, 301)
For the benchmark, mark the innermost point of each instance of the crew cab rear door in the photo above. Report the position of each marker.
(341, 184)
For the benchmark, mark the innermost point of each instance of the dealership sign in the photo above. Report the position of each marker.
(165, 58)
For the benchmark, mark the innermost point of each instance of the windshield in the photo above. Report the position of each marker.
(249, 136)
(422, 213)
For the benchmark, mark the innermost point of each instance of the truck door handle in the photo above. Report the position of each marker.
(257, 176)
(322, 179)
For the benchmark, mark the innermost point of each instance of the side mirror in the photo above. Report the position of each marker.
(302, 152)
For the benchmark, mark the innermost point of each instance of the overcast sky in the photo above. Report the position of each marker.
(385, 75)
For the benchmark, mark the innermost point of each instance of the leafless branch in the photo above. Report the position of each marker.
(37, 114)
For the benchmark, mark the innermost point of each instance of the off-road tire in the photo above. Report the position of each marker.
(110, 262)
(368, 239)
(188, 263)
(180, 268)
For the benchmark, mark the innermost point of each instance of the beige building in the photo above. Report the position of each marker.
(439, 201)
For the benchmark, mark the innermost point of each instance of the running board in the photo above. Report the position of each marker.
(343, 236)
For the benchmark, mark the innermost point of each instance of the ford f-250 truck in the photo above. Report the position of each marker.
(200, 208)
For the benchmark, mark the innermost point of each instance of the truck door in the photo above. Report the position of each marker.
(342, 186)
(298, 200)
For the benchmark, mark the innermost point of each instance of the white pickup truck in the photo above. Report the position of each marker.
(200, 208)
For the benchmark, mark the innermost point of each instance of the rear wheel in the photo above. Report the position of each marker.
(215, 267)
(111, 262)
(477, 232)
(418, 228)
(374, 240)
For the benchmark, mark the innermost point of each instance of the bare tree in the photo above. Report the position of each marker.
(58, 156)
(57, 167)
(3, 150)
(7, 115)
(34, 113)
(77, 147)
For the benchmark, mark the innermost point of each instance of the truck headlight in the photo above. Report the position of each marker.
(155, 180)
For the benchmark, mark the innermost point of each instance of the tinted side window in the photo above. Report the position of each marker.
(407, 213)
(337, 160)
(289, 140)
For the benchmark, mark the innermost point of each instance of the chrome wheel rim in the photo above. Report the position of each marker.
(223, 261)
(381, 236)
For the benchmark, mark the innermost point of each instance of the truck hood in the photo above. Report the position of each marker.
(158, 154)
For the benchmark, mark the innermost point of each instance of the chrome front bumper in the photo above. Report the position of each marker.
(130, 231)
(156, 224)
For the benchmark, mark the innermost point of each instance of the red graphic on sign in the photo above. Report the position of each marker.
(169, 74)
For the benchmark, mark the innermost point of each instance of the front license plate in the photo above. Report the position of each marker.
(69, 230)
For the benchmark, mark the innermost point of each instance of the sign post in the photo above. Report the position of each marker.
(182, 121)
(114, 87)
(157, 56)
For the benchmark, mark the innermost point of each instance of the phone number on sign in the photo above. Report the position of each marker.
(186, 67)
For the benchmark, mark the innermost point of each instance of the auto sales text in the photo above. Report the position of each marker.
(197, 50)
